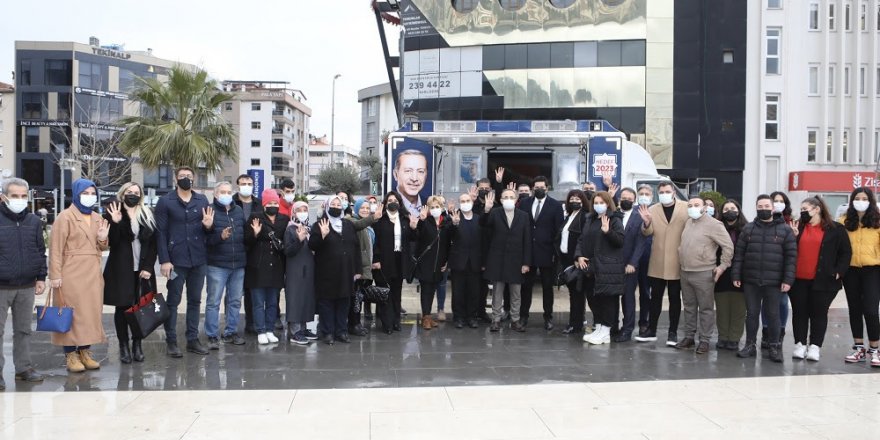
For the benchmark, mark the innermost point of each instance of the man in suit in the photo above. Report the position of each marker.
(547, 218)
(634, 246)
(664, 221)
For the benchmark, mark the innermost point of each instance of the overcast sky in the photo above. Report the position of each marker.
(304, 42)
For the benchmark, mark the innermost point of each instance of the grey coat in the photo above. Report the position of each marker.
(299, 287)
(366, 246)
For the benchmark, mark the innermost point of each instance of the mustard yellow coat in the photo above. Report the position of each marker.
(865, 246)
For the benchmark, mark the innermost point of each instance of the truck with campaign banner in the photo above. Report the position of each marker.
(448, 157)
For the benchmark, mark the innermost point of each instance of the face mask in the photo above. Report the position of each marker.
(246, 190)
(344, 205)
(289, 198)
(185, 184)
(805, 216)
(600, 209)
(467, 207)
(778, 207)
(225, 199)
(644, 200)
(483, 192)
(730, 216)
(88, 200)
(373, 207)
(393, 206)
(626, 205)
(334, 212)
(523, 196)
(17, 205)
(711, 211)
(695, 213)
(302, 217)
(765, 214)
(435, 212)
(574, 206)
(540, 193)
(861, 205)
(508, 204)
(665, 198)
(131, 200)
(272, 210)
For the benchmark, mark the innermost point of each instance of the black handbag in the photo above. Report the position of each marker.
(148, 314)
(572, 273)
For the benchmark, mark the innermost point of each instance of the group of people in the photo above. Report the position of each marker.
(726, 273)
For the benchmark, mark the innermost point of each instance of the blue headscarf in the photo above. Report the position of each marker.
(357, 209)
(78, 187)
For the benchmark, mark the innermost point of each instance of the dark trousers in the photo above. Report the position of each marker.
(248, 310)
(644, 291)
(628, 303)
(465, 294)
(333, 316)
(389, 313)
(354, 319)
(577, 298)
(546, 275)
(604, 309)
(673, 289)
(862, 286)
(121, 324)
(760, 298)
(427, 291)
(194, 280)
(809, 311)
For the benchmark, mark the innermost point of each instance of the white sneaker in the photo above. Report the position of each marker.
(800, 351)
(813, 353)
(262, 339)
(272, 338)
(588, 337)
(604, 337)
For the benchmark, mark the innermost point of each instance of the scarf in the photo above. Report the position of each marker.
(78, 187)
(335, 222)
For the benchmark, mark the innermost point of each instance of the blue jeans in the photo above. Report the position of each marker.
(232, 280)
(441, 292)
(783, 313)
(194, 277)
(265, 301)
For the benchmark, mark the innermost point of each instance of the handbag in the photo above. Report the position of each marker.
(572, 273)
(148, 313)
(375, 294)
(51, 317)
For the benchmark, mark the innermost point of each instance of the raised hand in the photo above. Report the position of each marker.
(499, 174)
(606, 222)
(613, 188)
(324, 226)
(301, 232)
(606, 179)
(423, 213)
(103, 229)
(450, 206)
(379, 210)
(115, 212)
(472, 191)
(490, 200)
(511, 185)
(645, 214)
(456, 216)
(208, 217)
(257, 226)
(794, 226)
(413, 221)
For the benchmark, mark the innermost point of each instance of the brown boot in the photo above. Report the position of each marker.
(74, 365)
(86, 357)
(427, 322)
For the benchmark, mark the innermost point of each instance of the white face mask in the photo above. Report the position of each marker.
(17, 205)
(644, 200)
(302, 216)
(467, 207)
(373, 207)
(246, 190)
(435, 212)
(711, 211)
(861, 205)
(778, 207)
(600, 209)
(88, 200)
(508, 204)
(665, 198)
(695, 212)
(289, 198)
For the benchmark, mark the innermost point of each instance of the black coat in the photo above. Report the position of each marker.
(725, 282)
(574, 234)
(256, 204)
(544, 229)
(383, 250)
(605, 252)
(466, 250)
(766, 254)
(835, 254)
(510, 247)
(337, 261)
(121, 288)
(22, 249)
(265, 264)
(433, 248)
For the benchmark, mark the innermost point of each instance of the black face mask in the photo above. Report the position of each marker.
(272, 210)
(131, 200)
(574, 206)
(806, 217)
(730, 216)
(765, 214)
(524, 195)
(334, 212)
(483, 193)
(626, 205)
(393, 206)
(540, 193)
(185, 184)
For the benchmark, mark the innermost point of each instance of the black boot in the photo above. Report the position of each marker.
(775, 353)
(137, 351)
(124, 352)
(748, 350)
(781, 337)
(765, 340)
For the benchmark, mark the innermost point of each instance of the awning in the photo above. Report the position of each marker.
(502, 139)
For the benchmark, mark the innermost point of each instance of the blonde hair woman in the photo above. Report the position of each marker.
(431, 227)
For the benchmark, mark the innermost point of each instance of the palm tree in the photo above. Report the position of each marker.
(180, 124)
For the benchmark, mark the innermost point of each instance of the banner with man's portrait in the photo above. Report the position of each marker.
(410, 171)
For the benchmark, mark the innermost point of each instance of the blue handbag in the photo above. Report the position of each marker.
(52, 318)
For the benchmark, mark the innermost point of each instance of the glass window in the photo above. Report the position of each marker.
(562, 3)
(877, 19)
(829, 144)
(860, 154)
(585, 54)
(771, 118)
(91, 75)
(464, 5)
(373, 106)
(32, 171)
(814, 17)
(774, 4)
(255, 125)
(772, 63)
(114, 107)
(255, 106)
(58, 72)
(831, 22)
(493, 57)
(846, 80)
(863, 17)
(63, 106)
(126, 80)
(516, 56)
(845, 146)
(255, 144)
(24, 74)
(811, 145)
(32, 140)
(632, 53)
(227, 106)
(609, 53)
(814, 80)
(831, 79)
(372, 135)
(539, 56)
(846, 16)
(877, 83)
(511, 5)
(562, 55)
(255, 162)
(33, 105)
(863, 73)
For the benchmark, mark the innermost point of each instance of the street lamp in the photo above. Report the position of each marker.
(333, 121)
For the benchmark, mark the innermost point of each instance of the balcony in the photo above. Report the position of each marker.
(278, 152)
(282, 170)
(277, 112)
(277, 130)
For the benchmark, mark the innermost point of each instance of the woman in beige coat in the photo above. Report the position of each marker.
(78, 237)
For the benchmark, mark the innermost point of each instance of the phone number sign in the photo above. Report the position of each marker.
(432, 85)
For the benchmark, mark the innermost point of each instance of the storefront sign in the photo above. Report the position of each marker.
(111, 53)
(100, 93)
(26, 123)
(831, 181)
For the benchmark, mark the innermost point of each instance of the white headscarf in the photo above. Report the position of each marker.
(335, 222)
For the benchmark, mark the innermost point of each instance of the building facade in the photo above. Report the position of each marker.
(68, 98)
(320, 158)
(272, 124)
(378, 116)
(814, 84)
(7, 130)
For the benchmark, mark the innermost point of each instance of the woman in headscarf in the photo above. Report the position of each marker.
(130, 268)
(337, 266)
(366, 238)
(78, 237)
(299, 287)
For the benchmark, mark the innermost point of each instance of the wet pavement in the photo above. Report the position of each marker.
(445, 356)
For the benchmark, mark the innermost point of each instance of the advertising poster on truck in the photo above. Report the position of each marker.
(410, 171)
(605, 159)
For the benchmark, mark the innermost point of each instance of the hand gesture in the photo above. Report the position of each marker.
(794, 226)
(103, 229)
(324, 226)
(227, 232)
(613, 188)
(630, 269)
(208, 217)
(379, 210)
(423, 213)
(115, 212)
(472, 191)
(456, 216)
(737, 284)
(606, 222)
(413, 220)
(499, 174)
(716, 273)
(511, 185)
(582, 262)
(606, 179)
(645, 214)
(301, 232)
(490, 200)
(450, 206)
(257, 226)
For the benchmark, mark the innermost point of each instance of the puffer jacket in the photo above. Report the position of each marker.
(22, 249)
(229, 253)
(766, 254)
(605, 252)
(865, 246)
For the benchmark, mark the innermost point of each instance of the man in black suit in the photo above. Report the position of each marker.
(547, 218)
(635, 244)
